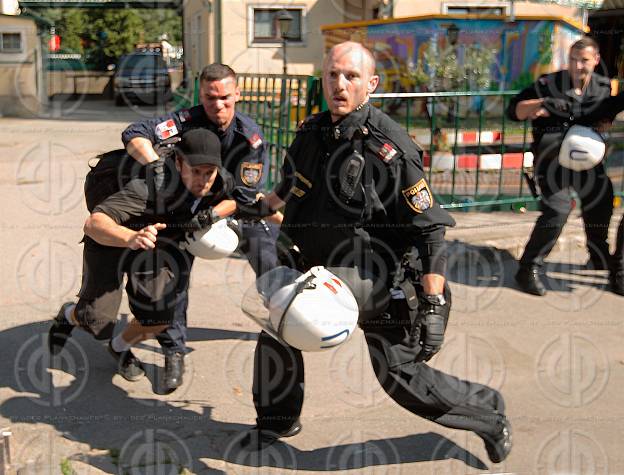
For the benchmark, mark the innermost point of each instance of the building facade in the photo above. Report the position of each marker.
(245, 33)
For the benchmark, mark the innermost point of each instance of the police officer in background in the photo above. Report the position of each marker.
(356, 201)
(554, 103)
(244, 155)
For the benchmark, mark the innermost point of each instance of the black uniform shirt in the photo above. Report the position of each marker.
(392, 208)
(243, 149)
(137, 204)
(583, 108)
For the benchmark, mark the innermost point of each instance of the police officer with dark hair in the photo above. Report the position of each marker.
(357, 202)
(244, 154)
(554, 103)
(134, 230)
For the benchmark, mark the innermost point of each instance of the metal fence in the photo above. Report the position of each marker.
(473, 155)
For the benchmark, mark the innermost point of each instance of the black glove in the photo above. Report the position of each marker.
(257, 210)
(430, 325)
(556, 105)
(203, 219)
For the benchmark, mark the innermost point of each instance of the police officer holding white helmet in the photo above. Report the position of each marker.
(559, 103)
(356, 202)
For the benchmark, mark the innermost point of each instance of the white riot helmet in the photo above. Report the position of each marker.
(216, 242)
(314, 312)
(582, 149)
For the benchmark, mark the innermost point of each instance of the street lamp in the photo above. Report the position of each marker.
(284, 19)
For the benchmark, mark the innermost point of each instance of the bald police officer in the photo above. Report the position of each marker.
(357, 202)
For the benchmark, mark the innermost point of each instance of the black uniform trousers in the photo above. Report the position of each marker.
(595, 191)
(258, 245)
(617, 263)
(278, 386)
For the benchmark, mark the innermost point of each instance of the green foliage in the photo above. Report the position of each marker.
(66, 467)
(103, 35)
(447, 74)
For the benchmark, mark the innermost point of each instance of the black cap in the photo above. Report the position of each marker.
(200, 147)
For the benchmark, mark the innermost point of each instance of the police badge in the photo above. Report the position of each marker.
(419, 196)
(250, 173)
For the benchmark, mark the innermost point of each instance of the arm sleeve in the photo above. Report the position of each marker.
(527, 93)
(288, 170)
(425, 222)
(127, 203)
(155, 130)
(605, 109)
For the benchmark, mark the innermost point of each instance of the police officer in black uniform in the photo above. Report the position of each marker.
(135, 229)
(357, 202)
(244, 154)
(554, 103)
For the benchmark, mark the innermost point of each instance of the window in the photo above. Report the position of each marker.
(476, 8)
(264, 26)
(475, 11)
(11, 42)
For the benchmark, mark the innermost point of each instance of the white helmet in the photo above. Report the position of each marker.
(316, 312)
(215, 242)
(582, 149)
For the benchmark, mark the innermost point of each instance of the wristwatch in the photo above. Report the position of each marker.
(434, 299)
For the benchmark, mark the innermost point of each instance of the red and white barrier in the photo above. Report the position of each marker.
(471, 161)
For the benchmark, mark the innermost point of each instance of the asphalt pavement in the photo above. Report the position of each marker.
(557, 360)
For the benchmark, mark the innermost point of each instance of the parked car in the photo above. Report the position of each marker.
(143, 76)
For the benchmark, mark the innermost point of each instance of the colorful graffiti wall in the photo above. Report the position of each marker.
(455, 53)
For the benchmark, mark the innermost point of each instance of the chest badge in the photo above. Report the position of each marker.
(255, 141)
(419, 196)
(387, 152)
(250, 173)
(166, 129)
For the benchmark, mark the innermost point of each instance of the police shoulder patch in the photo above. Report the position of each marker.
(255, 141)
(387, 152)
(166, 129)
(250, 173)
(419, 196)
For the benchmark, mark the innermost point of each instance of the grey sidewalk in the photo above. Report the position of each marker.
(510, 231)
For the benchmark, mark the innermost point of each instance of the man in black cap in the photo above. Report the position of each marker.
(244, 151)
(136, 231)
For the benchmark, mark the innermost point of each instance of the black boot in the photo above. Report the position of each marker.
(60, 331)
(259, 438)
(498, 446)
(529, 281)
(616, 277)
(174, 371)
